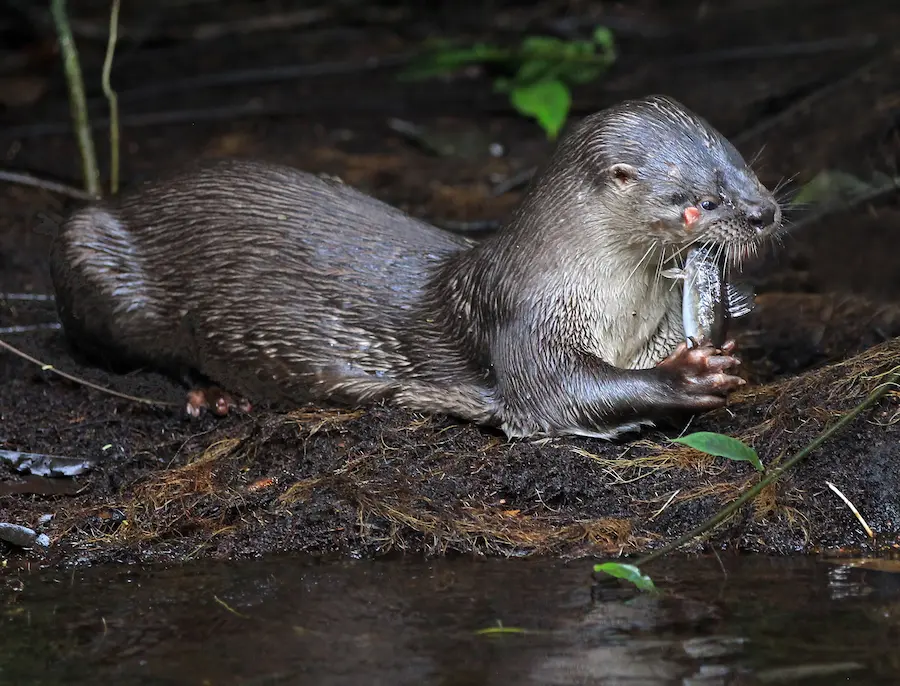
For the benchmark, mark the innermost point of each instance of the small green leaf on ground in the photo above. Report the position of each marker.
(546, 101)
(628, 573)
(721, 446)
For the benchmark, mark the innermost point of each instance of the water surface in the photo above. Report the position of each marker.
(291, 620)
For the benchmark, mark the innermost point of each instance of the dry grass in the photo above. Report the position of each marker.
(183, 498)
(492, 530)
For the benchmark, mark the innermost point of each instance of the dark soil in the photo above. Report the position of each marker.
(366, 482)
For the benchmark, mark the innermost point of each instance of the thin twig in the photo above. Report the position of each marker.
(281, 21)
(229, 608)
(859, 517)
(50, 368)
(189, 116)
(778, 51)
(803, 103)
(891, 381)
(25, 179)
(29, 328)
(77, 102)
(43, 297)
(263, 75)
(111, 98)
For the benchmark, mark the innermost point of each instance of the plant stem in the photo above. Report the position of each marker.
(71, 377)
(112, 99)
(77, 102)
(54, 187)
(892, 378)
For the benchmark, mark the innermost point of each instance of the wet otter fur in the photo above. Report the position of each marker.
(285, 287)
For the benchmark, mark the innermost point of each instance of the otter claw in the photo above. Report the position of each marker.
(215, 401)
(702, 371)
(729, 346)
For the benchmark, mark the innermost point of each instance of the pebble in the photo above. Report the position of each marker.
(22, 536)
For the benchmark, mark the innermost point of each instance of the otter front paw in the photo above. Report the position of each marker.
(700, 374)
(215, 400)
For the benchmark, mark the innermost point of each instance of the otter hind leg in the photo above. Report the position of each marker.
(101, 294)
(463, 401)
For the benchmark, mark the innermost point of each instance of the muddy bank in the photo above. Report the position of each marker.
(367, 482)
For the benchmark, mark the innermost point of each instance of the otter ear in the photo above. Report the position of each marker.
(622, 175)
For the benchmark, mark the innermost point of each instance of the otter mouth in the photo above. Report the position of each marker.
(734, 251)
(739, 239)
(735, 239)
(739, 232)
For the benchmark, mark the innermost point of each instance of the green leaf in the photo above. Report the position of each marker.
(542, 46)
(533, 71)
(628, 573)
(546, 101)
(721, 446)
(447, 59)
(583, 73)
(575, 50)
(604, 39)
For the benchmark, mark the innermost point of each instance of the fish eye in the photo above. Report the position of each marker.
(708, 205)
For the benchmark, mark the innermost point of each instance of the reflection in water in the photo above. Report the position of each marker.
(298, 621)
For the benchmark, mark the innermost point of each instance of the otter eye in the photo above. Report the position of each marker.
(708, 205)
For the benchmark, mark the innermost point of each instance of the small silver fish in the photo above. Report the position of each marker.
(709, 302)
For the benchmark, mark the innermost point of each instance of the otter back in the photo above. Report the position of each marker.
(273, 282)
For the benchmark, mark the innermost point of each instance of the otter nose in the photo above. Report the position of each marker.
(762, 215)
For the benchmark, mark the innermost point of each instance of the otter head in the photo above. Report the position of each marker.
(676, 178)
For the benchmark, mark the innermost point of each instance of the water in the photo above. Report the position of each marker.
(296, 621)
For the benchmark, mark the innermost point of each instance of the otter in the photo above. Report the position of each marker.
(283, 287)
